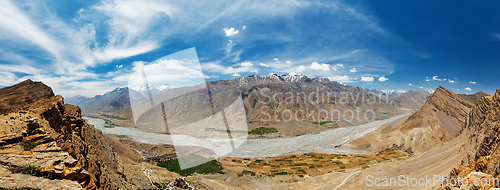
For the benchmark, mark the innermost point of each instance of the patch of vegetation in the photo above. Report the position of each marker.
(224, 130)
(115, 117)
(263, 130)
(109, 123)
(321, 122)
(210, 167)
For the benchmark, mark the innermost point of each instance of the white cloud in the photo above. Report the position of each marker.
(410, 84)
(427, 79)
(472, 82)
(137, 27)
(340, 65)
(236, 75)
(421, 87)
(264, 65)
(301, 68)
(451, 81)
(436, 78)
(458, 89)
(468, 89)
(244, 27)
(246, 64)
(220, 69)
(344, 78)
(322, 66)
(288, 62)
(276, 59)
(8, 78)
(353, 70)
(382, 79)
(367, 79)
(231, 31)
(119, 66)
(16, 22)
(211, 76)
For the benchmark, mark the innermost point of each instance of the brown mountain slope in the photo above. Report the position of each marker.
(290, 96)
(21, 94)
(482, 148)
(474, 97)
(439, 120)
(411, 99)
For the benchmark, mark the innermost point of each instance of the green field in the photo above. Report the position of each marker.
(210, 167)
(263, 130)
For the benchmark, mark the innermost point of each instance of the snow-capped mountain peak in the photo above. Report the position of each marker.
(165, 87)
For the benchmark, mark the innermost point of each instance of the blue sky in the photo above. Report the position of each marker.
(90, 47)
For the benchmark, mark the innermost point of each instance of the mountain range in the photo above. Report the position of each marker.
(286, 91)
(458, 133)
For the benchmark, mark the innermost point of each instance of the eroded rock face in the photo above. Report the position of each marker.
(53, 137)
(36, 153)
(482, 129)
(9, 180)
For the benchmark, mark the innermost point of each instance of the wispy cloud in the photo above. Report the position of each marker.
(496, 36)
(111, 30)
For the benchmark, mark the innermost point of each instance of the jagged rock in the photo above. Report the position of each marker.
(11, 138)
(47, 147)
(179, 183)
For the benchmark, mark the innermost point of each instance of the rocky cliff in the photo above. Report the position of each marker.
(49, 139)
(483, 155)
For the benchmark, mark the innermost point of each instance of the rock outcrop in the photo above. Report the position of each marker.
(53, 139)
(482, 148)
(14, 97)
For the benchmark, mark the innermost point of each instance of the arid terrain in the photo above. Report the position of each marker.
(46, 144)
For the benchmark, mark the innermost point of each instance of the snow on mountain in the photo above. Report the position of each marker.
(165, 87)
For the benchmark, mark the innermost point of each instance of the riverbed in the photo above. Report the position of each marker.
(325, 141)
